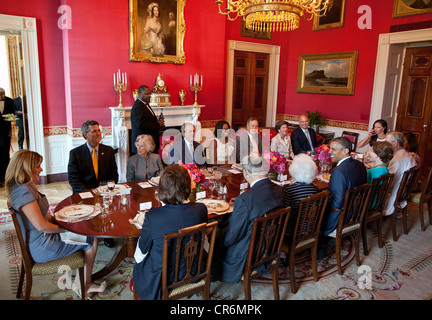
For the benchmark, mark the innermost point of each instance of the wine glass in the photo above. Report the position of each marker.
(211, 186)
(102, 186)
(111, 185)
(156, 194)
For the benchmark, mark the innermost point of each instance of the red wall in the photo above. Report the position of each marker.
(98, 45)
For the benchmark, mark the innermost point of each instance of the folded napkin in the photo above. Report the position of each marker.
(73, 238)
(138, 220)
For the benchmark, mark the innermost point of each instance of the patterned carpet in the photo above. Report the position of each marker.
(400, 271)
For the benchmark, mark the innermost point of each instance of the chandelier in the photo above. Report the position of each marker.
(274, 15)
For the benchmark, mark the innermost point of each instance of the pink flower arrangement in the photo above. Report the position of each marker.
(322, 153)
(197, 177)
(277, 162)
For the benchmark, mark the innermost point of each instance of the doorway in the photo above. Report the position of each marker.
(250, 87)
(415, 101)
(12, 70)
(273, 53)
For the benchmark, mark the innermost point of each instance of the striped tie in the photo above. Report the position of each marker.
(95, 162)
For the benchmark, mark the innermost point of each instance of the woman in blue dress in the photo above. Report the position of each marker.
(40, 232)
(380, 155)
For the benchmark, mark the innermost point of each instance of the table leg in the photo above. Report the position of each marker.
(124, 250)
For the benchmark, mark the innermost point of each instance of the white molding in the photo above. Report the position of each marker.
(26, 26)
(388, 44)
(273, 81)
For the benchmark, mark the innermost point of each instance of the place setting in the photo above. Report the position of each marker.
(77, 212)
(109, 187)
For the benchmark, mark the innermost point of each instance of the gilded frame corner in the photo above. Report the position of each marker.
(144, 50)
(321, 84)
(335, 22)
(401, 9)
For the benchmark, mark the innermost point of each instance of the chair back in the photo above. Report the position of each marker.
(351, 136)
(380, 191)
(409, 178)
(28, 261)
(310, 214)
(266, 238)
(184, 255)
(427, 190)
(354, 208)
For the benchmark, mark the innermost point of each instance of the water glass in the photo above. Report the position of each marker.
(103, 186)
(107, 200)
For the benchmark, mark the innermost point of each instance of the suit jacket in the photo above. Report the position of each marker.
(139, 168)
(234, 235)
(244, 146)
(401, 162)
(179, 152)
(144, 121)
(81, 174)
(5, 126)
(159, 221)
(300, 143)
(347, 175)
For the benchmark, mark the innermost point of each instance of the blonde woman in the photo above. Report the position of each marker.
(39, 228)
(145, 164)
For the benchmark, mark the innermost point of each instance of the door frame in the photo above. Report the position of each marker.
(27, 28)
(390, 57)
(273, 79)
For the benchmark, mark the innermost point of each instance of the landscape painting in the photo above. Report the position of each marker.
(327, 73)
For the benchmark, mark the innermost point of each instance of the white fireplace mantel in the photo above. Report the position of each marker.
(120, 121)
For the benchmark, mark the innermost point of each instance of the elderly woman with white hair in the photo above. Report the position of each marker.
(303, 171)
(144, 164)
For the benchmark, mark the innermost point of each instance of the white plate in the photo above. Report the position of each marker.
(215, 206)
(76, 211)
(104, 190)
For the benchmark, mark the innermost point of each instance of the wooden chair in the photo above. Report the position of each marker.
(306, 232)
(351, 220)
(352, 136)
(375, 210)
(188, 246)
(30, 268)
(423, 197)
(409, 179)
(264, 248)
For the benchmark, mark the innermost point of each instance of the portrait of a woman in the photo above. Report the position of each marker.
(153, 39)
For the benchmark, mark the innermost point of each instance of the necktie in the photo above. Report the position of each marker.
(95, 162)
(309, 139)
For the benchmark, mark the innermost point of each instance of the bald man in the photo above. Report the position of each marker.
(303, 138)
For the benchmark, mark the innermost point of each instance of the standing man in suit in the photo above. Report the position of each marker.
(347, 174)
(249, 141)
(234, 233)
(144, 120)
(187, 150)
(6, 107)
(20, 120)
(401, 162)
(303, 138)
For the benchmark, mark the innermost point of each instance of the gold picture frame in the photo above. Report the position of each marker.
(265, 35)
(403, 8)
(327, 73)
(157, 38)
(335, 17)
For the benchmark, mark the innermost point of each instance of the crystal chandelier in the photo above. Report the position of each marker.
(274, 15)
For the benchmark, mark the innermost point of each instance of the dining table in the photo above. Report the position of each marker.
(114, 220)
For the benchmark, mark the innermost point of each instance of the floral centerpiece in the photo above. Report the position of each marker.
(197, 177)
(323, 156)
(277, 163)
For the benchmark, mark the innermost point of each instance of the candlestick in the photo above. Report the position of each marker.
(120, 85)
(196, 87)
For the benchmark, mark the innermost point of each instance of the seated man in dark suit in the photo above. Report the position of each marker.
(86, 170)
(347, 174)
(249, 141)
(234, 233)
(187, 150)
(303, 138)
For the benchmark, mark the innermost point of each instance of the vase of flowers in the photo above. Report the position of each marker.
(197, 177)
(277, 164)
(323, 156)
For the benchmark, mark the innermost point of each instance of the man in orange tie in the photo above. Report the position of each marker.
(91, 162)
